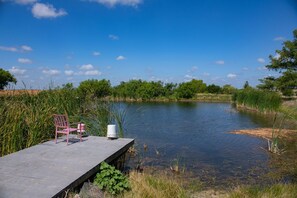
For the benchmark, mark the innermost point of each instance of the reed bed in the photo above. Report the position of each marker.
(265, 101)
(26, 119)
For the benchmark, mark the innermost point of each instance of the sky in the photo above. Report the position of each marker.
(47, 43)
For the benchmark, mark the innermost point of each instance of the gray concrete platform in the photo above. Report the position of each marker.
(48, 169)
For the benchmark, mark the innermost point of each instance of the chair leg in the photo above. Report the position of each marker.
(67, 138)
(56, 138)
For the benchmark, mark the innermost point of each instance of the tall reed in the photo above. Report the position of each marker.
(258, 99)
(26, 119)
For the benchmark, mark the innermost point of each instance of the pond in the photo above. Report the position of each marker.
(195, 136)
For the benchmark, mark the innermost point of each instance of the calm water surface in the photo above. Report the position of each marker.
(196, 136)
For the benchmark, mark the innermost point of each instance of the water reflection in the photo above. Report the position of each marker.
(196, 136)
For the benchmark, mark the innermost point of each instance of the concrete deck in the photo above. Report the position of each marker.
(48, 169)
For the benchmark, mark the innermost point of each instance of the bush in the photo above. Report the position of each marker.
(111, 180)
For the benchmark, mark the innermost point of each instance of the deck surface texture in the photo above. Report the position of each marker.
(47, 169)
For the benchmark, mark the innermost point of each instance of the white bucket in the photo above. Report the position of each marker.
(111, 131)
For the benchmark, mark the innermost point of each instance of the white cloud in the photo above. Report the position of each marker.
(40, 10)
(10, 49)
(245, 68)
(189, 76)
(261, 60)
(24, 2)
(23, 48)
(113, 37)
(277, 56)
(87, 67)
(220, 62)
(17, 71)
(51, 72)
(69, 72)
(120, 58)
(96, 53)
(280, 38)
(26, 48)
(112, 3)
(231, 75)
(93, 73)
(206, 74)
(24, 61)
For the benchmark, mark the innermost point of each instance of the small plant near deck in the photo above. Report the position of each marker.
(111, 180)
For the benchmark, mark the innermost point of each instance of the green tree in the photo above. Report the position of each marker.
(228, 89)
(186, 90)
(286, 64)
(215, 89)
(246, 85)
(199, 85)
(6, 78)
(94, 88)
(268, 83)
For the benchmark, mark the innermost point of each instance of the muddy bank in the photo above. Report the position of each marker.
(267, 133)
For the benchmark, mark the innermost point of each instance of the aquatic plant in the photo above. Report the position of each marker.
(257, 99)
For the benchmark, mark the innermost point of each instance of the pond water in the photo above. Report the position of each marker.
(196, 137)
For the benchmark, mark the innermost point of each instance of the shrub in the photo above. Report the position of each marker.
(111, 180)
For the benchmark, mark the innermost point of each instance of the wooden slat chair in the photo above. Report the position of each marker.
(62, 126)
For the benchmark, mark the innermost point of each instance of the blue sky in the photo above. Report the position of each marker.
(218, 41)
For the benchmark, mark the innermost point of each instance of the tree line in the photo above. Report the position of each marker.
(145, 90)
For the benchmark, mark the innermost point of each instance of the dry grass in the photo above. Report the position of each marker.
(145, 185)
(267, 133)
(18, 92)
(275, 191)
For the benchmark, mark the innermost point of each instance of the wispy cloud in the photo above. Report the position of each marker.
(24, 61)
(120, 58)
(69, 72)
(40, 10)
(113, 37)
(206, 74)
(261, 60)
(187, 76)
(96, 53)
(112, 3)
(193, 69)
(279, 38)
(87, 67)
(231, 75)
(26, 48)
(23, 48)
(220, 62)
(9, 49)
(245, 68)
(93, 73)
(51, 72)
(24, 2)
(262, 68)
(17, 71)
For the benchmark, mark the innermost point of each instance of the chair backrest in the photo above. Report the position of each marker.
(61, 121)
